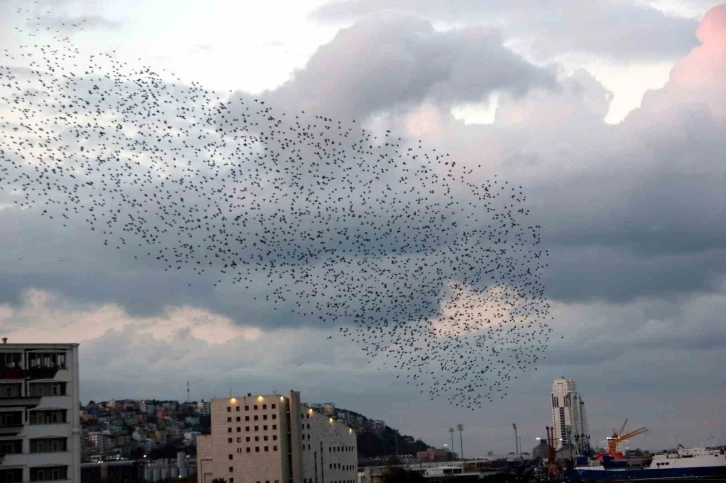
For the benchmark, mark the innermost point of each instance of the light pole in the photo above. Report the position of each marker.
(460, 427)
(451, 431)
(516, 438)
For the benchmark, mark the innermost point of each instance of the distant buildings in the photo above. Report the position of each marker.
(39, 419)
(433, 454)
(275, 439)
(568, 416)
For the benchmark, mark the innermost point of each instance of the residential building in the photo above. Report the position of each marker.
(568, 416)
(40, 424)
(275, 439)
(203, 408)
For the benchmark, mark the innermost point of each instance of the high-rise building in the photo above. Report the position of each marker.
(568, 417)
(40, 430)
(275, 439)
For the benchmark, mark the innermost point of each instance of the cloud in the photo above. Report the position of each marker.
(383, 63)
(621, 30)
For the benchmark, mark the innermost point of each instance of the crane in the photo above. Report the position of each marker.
(619, 437)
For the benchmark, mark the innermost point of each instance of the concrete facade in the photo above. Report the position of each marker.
(40, 430)
(275, 439)
(568, 416)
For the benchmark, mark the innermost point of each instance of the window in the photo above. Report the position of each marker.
(274, 448)
(229, 409)
(49, 416)
(255, 407)
(239, 440)
(247, 418)
(231, 480)
(229, 440)
(256, 417)
(274, 437)
(264, 416)
(273, 406)
(264, 427)
(239, 429)
(274, 426)
(248, 439)
(257, 438)
(257, 428)
(11, 476)
(11, 447)
(247, 408)
(11, 418)
(274, 416)
(248, 450)
(40, 389)
(267, 448)
(49, 473)
(9, 390)
(237, 409)
(231, 469)
(247, 428)
(230, 456)
(48, 445)
(238, 418)
(229, 430)
(257, 449)
(229, 420)
(264, 406)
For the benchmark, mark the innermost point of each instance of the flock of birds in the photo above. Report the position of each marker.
(393, 244)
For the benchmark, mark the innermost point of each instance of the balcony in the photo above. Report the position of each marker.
(24, 401)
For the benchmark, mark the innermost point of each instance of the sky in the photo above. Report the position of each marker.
(612, 118)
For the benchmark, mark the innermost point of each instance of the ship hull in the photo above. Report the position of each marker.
(648, 474)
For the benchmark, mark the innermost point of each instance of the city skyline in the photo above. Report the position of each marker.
(615, 133)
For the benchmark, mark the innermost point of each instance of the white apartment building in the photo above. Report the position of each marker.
(568, 416)
(275, 439)
(40, 429)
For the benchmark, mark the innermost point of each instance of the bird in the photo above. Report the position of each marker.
(424, 262)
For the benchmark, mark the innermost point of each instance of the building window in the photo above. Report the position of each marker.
(267, 448)
(230, 456)
(247, 428)
(229, 409)
(229, 430)
(274, 416)
(49, 473)
(237, 409)
(256, 417)
(229, 440)
(238, 419)
(274, 437)
(265, 427)
(48, 445)
(264, 416)
(231, 469)
(239, 440)
(231, 480)
(255, 407)
(274, 426)
(248, 439)
(229, 420)
(49, 416)
(239, 429)
(273, 407)
(247, 418)
(264, 406)
(248, 450)
(257, 449)
(265, 438)
(274, 448)
(41, 389)
(257, 428)
(247, 408)
(257, 438)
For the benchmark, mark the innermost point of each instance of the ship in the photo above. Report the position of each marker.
(685, 463)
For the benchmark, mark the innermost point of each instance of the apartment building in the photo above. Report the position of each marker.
(568, 416)
(275, 439)
(39, 417)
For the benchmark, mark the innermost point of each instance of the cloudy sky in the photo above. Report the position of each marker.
(611, 115)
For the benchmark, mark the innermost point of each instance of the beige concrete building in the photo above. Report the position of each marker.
(275, 439)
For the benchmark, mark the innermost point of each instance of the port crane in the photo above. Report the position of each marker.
(619, 437)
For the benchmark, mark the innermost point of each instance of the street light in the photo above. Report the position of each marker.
(460, 427)
(451, 431)
(516, 438)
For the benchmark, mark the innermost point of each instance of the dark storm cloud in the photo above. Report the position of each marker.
(384, 63)
(623, 30)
